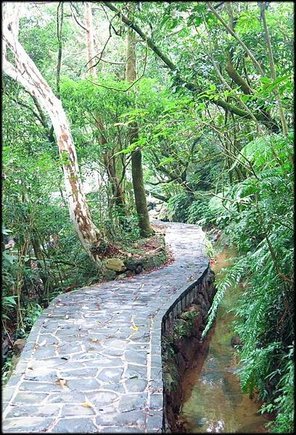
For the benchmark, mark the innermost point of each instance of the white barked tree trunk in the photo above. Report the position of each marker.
(90, 40)
(22, 69)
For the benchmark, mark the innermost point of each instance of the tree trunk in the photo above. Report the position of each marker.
(25, 72)
(90, 40)
(137, 169)
(110, 165)
(117, 191)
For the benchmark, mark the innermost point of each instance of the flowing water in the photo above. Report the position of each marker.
(213, 399)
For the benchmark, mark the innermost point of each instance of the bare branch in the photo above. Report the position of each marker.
(112, 62)
(102, 51)
(75, 18)
(26, 106)
(129, 87)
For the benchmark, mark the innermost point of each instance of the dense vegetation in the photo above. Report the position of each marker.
(208, 110)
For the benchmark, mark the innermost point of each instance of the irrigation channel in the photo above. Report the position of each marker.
(213, 400)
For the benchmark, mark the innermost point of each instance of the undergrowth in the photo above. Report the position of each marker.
(256, 217)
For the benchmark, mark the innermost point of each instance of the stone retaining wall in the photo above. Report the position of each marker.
(182, 347)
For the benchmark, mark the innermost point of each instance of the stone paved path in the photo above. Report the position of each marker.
(92, 362)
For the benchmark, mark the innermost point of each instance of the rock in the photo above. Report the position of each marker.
(19, 344)
(109, 274)
(115, 264)
(154, 260)
(132, 264)
(139, 269)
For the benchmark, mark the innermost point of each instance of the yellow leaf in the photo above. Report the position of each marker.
(134, 327)
(87, 404)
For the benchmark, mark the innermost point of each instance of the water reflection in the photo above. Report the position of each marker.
(214, 400)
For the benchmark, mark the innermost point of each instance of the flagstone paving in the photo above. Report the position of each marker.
(92, 362)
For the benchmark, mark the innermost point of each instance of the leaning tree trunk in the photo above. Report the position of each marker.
(25, 72)
(137, 168)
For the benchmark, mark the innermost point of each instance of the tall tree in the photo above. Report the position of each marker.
(25, 72)
(90, 39)
(137, 168)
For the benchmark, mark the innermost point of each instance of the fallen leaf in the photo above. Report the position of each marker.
(62, 382)
(134, 327)
(87, 404)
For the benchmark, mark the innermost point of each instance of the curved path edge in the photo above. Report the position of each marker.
(92, 362)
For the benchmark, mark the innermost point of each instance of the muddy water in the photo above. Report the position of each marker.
(213, 399)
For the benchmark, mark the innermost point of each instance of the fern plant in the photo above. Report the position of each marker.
(232, 276)
(259, 212)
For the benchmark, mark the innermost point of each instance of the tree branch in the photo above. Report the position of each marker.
(26, 106)
(250, 54)
(75, 18)
(129, 87)
(149, 41)
(191, 86)
(234, 75)
(158, 196)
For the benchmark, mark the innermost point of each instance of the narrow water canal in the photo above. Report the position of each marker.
(213, 400)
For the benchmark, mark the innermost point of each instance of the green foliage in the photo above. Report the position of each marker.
(31, 314)
(8, 303)
(95, 112)
(258, 222)
(213, 167)
(231, 277)
(184, 324)
(177, 207)
(284, 403)
(205, 211)
(7, 368)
